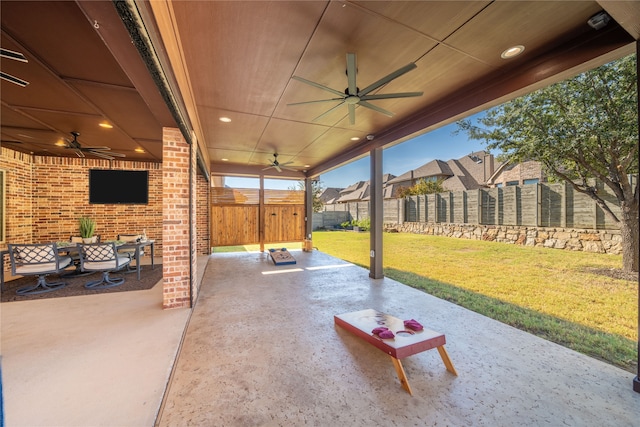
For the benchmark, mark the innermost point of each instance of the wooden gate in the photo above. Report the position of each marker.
(234, 225)
(240, 217)
(283, 223)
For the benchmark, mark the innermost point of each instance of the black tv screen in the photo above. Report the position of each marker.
(118, 186)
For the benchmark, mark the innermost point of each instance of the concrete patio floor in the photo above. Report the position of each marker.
(260, 349)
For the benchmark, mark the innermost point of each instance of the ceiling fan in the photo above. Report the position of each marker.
(353, 96)
(104, 152)
(277, 165)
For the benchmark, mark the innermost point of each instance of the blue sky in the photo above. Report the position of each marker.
(439, 144)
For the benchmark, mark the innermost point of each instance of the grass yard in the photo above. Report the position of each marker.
(551, 293)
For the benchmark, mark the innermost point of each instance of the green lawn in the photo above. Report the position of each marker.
(548, 292)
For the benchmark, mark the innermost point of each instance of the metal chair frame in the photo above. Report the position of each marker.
(102, 257)
(37, 259)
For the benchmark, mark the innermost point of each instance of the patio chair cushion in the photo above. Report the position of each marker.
(30, 269)
(106, 265)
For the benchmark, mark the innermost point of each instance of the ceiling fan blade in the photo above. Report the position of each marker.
(352, 114)
(102, 155)
(79, 153)
(319, 86)
(391, 95)
(387, 79)
(110, 153)
(328, 111)
(268, 167)
(320, 100)
(376, 108)
(277, 168)
(351, 73)
(95, 148)
(286, 163)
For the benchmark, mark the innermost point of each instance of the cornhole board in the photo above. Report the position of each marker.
(281, 256)
(405, 343)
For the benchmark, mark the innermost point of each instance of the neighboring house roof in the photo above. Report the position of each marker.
(470, 172)
(361, 190)
(455, 183)
(329, 194)
(352, 188)
(466, 173)
(436, 168)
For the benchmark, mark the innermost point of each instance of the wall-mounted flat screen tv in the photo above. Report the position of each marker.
(118, 186)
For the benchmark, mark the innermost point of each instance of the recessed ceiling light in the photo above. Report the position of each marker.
(106, 125)
(307, 166)
(512, 52)
(355, 138)
(139, 150)
(225, 119)
(225, 160)
(61, 143)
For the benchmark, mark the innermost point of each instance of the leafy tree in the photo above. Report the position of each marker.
(421, 187)
(317, 188)
(583, 130)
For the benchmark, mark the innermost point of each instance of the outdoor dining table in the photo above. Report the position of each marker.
(68, 247)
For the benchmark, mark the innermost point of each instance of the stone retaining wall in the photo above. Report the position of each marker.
(598, 241)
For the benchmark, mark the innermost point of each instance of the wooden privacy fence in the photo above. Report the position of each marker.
(538, 205)
(240, 216)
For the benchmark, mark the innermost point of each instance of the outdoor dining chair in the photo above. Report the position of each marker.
(37, 260)
(131, 238)
(105, 258)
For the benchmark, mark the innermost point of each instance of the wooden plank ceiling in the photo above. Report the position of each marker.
(237, 59)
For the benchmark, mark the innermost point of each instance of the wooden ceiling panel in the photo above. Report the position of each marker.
(436, 19)
(329, 144)
(62, 37)
(44, 90)
(125, 107)
(626, 13)
(382, 46)
(540, 25)
(288, 137)
(236, 59)
(13, 119)
(230, 67)
(242, 133)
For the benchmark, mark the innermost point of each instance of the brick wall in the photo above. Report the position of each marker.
(519, 172)
(177, 256)
(46, 196)
(203, 212)
(18, 169)
(61, 195)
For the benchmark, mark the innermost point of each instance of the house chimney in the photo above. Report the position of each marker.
(488, 166)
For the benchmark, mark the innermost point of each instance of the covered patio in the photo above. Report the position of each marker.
(260, 348)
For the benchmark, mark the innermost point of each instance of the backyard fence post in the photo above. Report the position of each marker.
(479, 203)
(539, 204)
(563, 206)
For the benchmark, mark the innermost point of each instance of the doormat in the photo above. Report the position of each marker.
(281, 256)
(75, 285)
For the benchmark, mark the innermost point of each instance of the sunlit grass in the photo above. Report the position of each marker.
(548, 292)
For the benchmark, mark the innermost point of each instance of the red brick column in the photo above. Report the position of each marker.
(177, 258)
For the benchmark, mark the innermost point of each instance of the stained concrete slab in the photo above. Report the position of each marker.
(94, 360)
(261, 349)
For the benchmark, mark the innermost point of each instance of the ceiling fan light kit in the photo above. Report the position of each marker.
(353, 96)
(277, 165)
